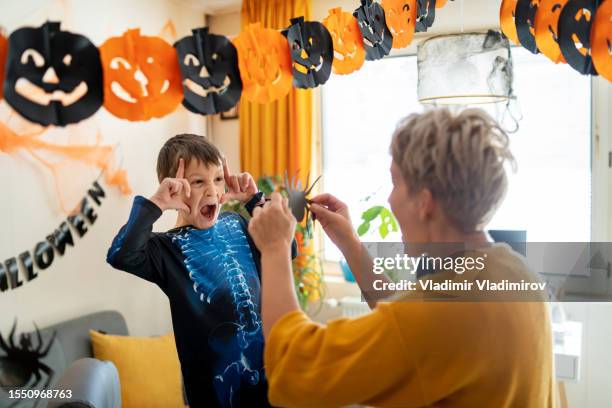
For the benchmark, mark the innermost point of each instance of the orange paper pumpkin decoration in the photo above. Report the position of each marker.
(142, 79)
(601, 40)
(264, 62)
(401, 16)
(440, 3)
(506, 20)
(3, 52)
(349, 53)
(546, 33)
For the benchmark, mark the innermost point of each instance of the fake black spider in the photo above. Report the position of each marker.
(298, 197)
(22, 361)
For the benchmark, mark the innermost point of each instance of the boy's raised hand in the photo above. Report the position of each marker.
(172, 192)
(240, 187)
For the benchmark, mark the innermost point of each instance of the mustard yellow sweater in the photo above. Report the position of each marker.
(415, 354)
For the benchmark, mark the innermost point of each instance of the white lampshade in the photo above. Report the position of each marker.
(465, 69)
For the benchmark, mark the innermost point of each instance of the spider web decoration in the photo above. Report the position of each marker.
(22, 361)
(298, 197)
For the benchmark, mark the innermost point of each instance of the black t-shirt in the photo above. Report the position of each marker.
(212, 279)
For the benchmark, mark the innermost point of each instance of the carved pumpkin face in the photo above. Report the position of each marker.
(264, 62)
(349, 54)
(312, 52)
(3, 52)
(575, 34)
(601, 40)
(426, 14)
(546, 34)
(400, 17)
(209, 67)
(524, 18)
(141, 76)
(377, 39)
(506, 20)
(53, 77)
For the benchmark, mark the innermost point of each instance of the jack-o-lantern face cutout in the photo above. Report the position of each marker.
(141, 76)
(264, 62)
(377, 39)
(3, 51)
(53, 77)
(575, 34)
(209, 67)
(601, 40)
(426, 14)
(312, 52)
(400, 17)
(524, 18)
(349, 54)
(546, 34)
(506, 20)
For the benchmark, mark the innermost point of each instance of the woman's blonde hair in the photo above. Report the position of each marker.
(459, 158)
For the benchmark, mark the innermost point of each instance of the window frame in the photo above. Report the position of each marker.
(600, 160)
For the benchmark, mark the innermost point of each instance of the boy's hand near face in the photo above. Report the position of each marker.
(172, 192)
(241, 187)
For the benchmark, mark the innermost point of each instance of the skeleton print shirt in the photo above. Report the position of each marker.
(212, 279)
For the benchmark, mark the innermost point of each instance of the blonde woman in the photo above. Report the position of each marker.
(449, 177)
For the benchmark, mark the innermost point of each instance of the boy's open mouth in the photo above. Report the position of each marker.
(209, 211)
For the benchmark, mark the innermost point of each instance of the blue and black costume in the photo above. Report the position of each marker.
(212, 279)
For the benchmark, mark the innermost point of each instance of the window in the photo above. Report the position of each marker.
(549, 196)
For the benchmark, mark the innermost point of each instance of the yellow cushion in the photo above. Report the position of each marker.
(149, 368)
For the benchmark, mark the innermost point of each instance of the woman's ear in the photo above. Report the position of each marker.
(426, 204)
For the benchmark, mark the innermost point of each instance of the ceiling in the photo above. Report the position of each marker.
(213, 6)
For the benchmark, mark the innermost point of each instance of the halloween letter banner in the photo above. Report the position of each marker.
(42, 254)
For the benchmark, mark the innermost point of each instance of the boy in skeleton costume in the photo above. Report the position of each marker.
(208, 267)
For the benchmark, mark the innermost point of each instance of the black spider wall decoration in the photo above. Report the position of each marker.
(298, 197)
(22, 361)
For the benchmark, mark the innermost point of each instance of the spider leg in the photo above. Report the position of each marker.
(11, 338)
(40, 342)
(312, 186)
(44, 352)
(47, 370)
(3, 345)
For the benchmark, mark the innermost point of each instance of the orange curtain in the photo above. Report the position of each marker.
(276, 137)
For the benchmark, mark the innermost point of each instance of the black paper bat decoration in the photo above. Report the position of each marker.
(209, 67)
(298, 197)
(426, 14)
(574, 30)
(53, 77)
(377, 38)
(524, 18)
(312, 52)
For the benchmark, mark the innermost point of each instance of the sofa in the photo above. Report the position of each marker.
(93, 383)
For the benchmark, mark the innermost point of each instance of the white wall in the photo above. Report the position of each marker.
(80, 282)
(226, 133)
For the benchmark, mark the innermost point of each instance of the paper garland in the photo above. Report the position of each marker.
(349, 54)
(601, 40)
(312, 52)
(53, 77)
(401, 16)
(563, 30)
(264, 63)
(209, 67)
(141, 81)
(524, 18)
(546, 33)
